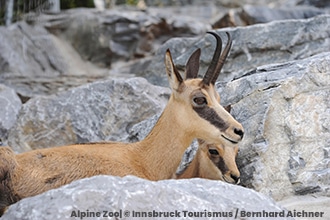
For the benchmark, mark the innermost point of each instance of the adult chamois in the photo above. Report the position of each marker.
(193, 111)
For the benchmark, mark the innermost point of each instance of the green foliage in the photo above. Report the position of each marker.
(66, 4)
(20, 7)
(131, 2)
(2, 12)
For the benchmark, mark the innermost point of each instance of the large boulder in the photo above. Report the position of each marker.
(22, 54)
(131, 197)
(284, 109)
(94, 112)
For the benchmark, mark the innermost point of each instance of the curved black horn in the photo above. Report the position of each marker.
(222, 59)
(210, 71)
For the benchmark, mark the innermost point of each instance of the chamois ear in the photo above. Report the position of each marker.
(228, 108)
(192, 65)
(173, 74)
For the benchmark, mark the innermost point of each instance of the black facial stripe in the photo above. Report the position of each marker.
(221, 165)
(211, 116)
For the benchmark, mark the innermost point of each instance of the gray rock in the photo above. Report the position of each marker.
(10, 106)
(274, 3)
(22, 37)
(253, 46)
(34, 62)
(106, 37)
(140, 130)
(284, 109)
(93, 112)
(24, 54)
(131, 194)
(44, 64)
(319, 3)
(252, 14)
(55, 52)
(262, 14)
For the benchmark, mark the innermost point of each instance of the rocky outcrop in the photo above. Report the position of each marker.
(106, 37)
(83, 45)
(284, 109)
(253, 46)
(94, 112)
(82, 38)
(34, 62)
(188, 199)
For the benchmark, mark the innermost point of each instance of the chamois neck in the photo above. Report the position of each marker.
(165, 145)
(193, 168)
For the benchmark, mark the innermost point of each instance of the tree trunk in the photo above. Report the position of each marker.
(9, 12)
(55, 6)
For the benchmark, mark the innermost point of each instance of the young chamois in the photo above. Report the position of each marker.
(213, 161)
(193, 111)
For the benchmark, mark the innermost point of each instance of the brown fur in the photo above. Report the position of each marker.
(7, 165)
(154, 158)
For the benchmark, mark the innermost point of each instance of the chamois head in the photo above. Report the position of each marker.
(218, 162)
(197, 102)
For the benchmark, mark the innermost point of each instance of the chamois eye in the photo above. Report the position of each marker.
(200, 101)
(213, 152)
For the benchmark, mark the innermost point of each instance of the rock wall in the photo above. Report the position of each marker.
(253, 46)
(34, 62)
(107, 37)
(285, 111)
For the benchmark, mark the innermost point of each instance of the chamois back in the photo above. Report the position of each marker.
(8, 165)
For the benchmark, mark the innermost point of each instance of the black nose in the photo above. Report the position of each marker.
(235, 178)
(239, 132)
